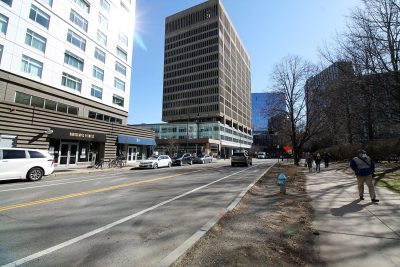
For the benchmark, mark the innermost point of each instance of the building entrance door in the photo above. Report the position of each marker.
(132, 153)
(68, 154)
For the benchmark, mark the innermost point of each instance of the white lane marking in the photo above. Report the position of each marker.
(108, 226)
(79, 180)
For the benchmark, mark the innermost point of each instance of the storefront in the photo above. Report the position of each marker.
(75, 147)
(135, 148)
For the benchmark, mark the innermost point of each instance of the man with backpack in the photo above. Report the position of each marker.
(364, 168)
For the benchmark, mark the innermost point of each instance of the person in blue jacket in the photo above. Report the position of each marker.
(364, 168)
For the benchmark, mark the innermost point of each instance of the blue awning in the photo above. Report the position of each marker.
(132, 140)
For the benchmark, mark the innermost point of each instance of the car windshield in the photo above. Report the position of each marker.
(238, 154)
(200, 156)
(152, 158)
(177, 156)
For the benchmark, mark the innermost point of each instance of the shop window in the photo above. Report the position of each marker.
(73, 110)
(92, 115)
(22, 98)
(62, 108)
(39, 16)
(49, 104)
(37, 102)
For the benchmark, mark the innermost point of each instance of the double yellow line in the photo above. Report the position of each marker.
(85, 193)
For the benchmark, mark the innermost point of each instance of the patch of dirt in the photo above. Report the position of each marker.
(265, 229)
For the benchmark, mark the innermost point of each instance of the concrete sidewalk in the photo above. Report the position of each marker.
(354, 232)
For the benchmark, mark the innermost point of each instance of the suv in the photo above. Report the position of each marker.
(180, 159)
(241, 158)
(21, 163)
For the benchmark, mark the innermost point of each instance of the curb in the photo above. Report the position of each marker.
(185, 246)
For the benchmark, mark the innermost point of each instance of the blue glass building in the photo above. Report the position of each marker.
(261, 107)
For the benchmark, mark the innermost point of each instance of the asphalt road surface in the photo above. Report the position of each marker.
(119, 218)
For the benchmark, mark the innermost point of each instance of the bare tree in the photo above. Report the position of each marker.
(372, 44)
(289, 78)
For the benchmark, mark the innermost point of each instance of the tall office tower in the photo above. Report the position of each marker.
(206, 69)
(65, 69)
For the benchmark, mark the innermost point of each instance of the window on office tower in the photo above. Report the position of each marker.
(31, 66)
(3, 24)
(35, 40)
(82, 4)
(76, 40)
(39, 16)
(78, 20)
(71, 81)
(100, 55)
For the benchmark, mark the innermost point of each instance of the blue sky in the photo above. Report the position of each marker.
(269, 30)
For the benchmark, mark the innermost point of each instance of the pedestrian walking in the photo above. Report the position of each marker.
(309, 161)
(318, 163)
(364, 168)
(326, 158)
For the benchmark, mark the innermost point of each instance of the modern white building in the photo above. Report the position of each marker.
(65, 75)
(83, 47)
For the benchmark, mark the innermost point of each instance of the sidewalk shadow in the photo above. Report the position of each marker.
(349, 208)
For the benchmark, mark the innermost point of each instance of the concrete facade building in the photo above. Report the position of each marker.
(65, 71)
(206, 70)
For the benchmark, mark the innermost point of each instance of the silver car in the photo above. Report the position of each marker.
(202, 159)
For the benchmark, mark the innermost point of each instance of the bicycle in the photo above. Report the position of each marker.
(99, 164)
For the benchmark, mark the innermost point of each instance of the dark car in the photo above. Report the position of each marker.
(181, 158)
(241, 158)
(202, 159)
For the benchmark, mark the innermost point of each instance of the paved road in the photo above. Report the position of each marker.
(121, 218)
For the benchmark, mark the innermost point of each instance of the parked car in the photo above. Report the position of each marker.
(202, 159)
(156, 161)
(21, 163)
(241, 158)
(182, 158)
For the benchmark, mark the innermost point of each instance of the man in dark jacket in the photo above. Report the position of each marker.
(363, 168)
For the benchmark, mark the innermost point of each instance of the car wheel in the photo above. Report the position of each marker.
(35, 174)
(169, 165)
(155, 166)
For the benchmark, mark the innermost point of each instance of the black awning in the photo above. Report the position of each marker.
(72, 134)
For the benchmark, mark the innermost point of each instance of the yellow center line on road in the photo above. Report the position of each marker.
(85, 193)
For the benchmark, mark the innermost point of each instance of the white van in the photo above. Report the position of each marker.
(24, 163)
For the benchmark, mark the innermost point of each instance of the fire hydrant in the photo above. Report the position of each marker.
(282, 183)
